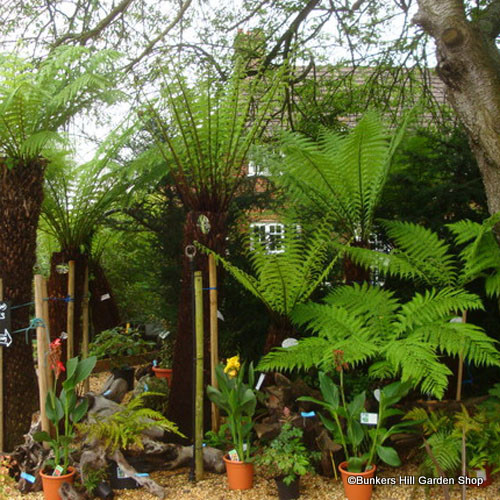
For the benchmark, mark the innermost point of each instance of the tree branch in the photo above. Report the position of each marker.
(162, 35)
(85, 36)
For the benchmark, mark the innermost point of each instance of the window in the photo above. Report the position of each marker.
(270, 235)
(254, 170)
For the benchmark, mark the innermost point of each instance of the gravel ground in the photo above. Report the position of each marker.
(214, 486)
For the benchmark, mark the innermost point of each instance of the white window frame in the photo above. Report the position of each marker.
(269, 233)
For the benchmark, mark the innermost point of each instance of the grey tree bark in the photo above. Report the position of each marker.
(469, 65)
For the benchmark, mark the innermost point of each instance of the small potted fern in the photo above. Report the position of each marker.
(125, 429)
(286, 459)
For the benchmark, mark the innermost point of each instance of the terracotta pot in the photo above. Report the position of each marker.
(356, 491)
(483, 473)
(239, 474)
(51, 484)
(288, 491)
(163, 373)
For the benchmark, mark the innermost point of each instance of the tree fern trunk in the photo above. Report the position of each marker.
(352, 272)
(21, 195)
(105, 313)
(58, 287)
(180, 402)
(278, 331)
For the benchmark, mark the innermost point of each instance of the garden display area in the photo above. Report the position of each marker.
(249, 251)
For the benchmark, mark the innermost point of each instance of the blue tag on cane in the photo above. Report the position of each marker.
(28, 477)
(305, 414)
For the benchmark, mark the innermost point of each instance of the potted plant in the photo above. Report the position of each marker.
(238, 400)
(64, 411)
(482, 441)
(286, 459)
(163, 368)
(362, 444)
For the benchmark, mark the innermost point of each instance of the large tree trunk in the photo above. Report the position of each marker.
(58, 289)
(180, 402)
(105, 313)
(21, 195)
(469, 66)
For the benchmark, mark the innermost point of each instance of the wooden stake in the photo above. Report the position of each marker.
(1, 382)
(42, 352)
(198, 434)
(71, 309)
(85, 324)
(46, 319)
(460, 374)
(214, 335)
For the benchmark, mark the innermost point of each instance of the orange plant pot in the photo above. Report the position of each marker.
(356, 491)
(239, 474)
(51, 484)
(163, 373)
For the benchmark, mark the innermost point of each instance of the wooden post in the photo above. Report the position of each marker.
(198, 434)
(71, 309)
(46, 318)
(42, 353)
(460, 374)
(1, 382)
(214, 335)
(85, 324)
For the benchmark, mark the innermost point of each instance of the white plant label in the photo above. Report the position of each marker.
(376, 394)
(289, 342)
(369, 418)
(260, 381)
(480, 473)
(104, 297)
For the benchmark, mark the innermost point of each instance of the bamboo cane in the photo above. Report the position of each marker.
(42, 352)
(198, 436)
(85, 324)
(71, 309)
(1, 382)
(460, 374)
(46, 318)
(214, 335)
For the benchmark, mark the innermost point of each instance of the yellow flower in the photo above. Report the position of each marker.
(232, 366)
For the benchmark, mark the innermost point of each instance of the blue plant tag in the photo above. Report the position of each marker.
(146, 387)
(307, 414)
(141, 474)
(155, 363)
(28, 477)
(107, 393)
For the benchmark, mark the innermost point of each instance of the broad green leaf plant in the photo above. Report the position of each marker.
(362, 444)
(238, 400)
(65, 407)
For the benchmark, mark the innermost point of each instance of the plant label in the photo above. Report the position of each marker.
(5, 328)
(369, 418)
(289, 342)
(28, 477)
(105, 296)
(260, 381)
(233, 456)
(376, 394)
(57, 471)
(481, 473)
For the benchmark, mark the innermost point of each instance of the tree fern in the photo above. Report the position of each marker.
(35, 102)
(405, 339)
(343, 175)
(283, 280)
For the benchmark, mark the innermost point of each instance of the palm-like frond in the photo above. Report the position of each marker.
(367, 322)
(283, 280)
(204, 131)
(36, 102)
(76, 201)
(343, 175)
